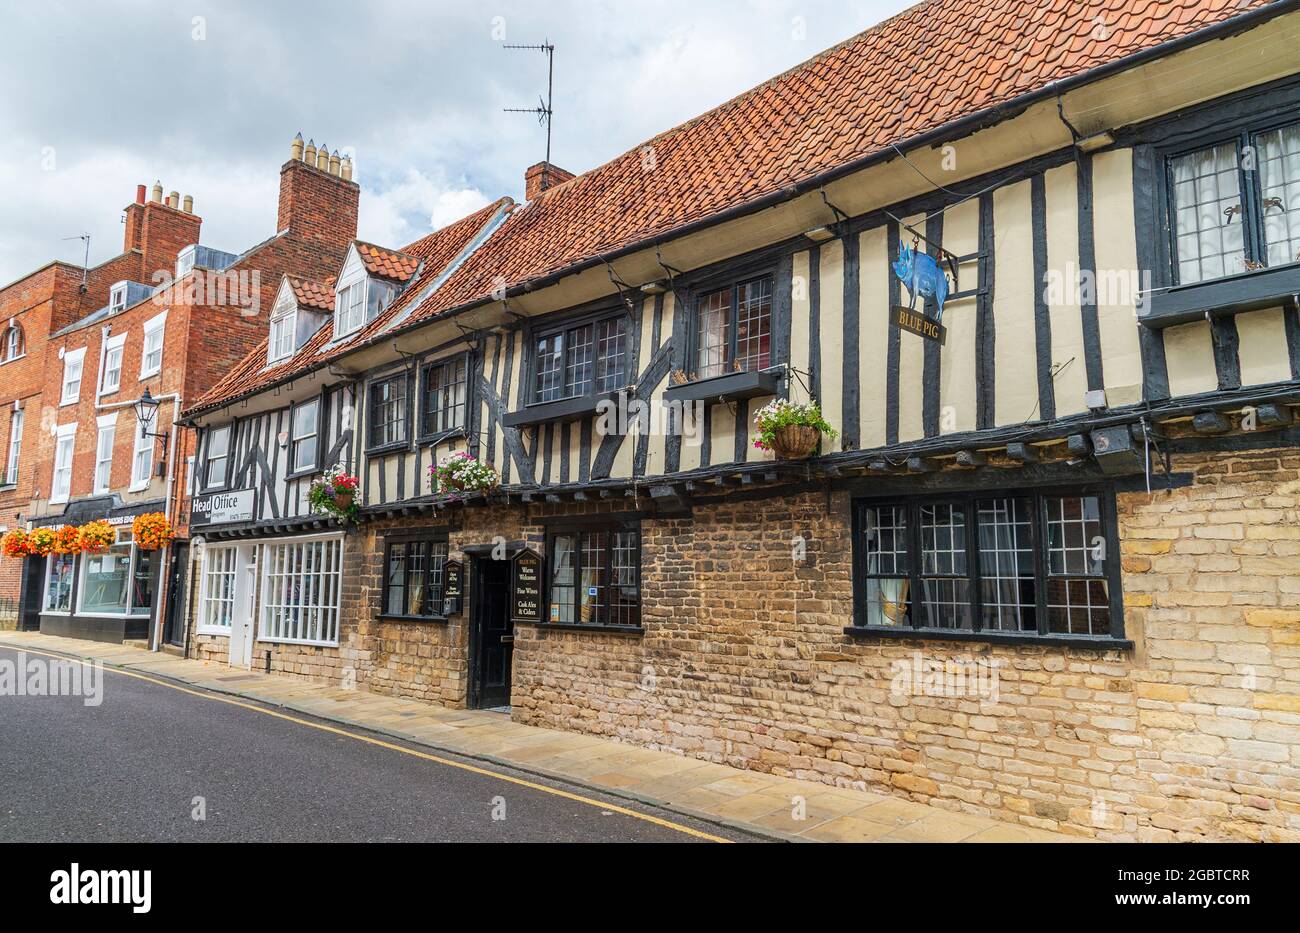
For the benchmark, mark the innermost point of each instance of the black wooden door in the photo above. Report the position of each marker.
(31, 594)
(174, 632)
(492, 636)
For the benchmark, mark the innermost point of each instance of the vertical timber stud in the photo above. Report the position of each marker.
(1155, 369)
(673, 443)
(1042, 313)
(894, 349)
(930, 372)
(815, 322)
(984, 325)
(782, 309)
(1088, 266)
(849, 431)
(507, 365)
(1227, 344)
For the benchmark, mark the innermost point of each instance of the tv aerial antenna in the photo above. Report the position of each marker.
(85, 267)
(543, 108)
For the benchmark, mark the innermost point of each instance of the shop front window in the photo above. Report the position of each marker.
(117, 582)
(58, 582)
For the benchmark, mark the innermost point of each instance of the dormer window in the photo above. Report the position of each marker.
(284, 321)
(349, 308)
(185, 261)
(117, 297)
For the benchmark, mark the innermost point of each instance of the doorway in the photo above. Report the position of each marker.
(245, 606)
(174, 628)
(491, 636)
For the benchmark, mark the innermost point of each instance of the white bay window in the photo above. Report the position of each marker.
(302, 583)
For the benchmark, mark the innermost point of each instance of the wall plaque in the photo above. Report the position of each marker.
(526, 586)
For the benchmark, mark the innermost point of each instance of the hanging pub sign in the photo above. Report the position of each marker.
(526, 586)
(452, 582)
(923, 278)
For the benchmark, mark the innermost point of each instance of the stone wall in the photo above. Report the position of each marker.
(1195, 734)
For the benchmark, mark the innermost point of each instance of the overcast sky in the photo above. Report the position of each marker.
(95, 99)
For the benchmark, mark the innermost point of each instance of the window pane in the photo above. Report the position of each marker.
(1078, 607)
(610, 340)
(714, 318)
(396, 579)
(943, 566)
(58, 582)
(1074, 540)
(1208, 216)
(754, 324)
(106, 580)
(1008, 601)
(578, 360)
(550, 357)
(388, 412)
(142, 582)
(884, 544)
(417, 567)
(561, 589)
(444, 397)
(624, 570)
(1279, 171)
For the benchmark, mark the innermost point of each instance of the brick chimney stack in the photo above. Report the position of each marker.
(318, 198)
(159, 229)
(543, 175)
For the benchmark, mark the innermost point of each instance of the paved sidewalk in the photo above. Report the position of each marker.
(747, 800)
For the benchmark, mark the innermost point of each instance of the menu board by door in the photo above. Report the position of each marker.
(526, 586)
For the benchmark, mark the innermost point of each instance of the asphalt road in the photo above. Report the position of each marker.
(130, 770)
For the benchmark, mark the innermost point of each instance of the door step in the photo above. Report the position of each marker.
(176, 650)
(142, 643)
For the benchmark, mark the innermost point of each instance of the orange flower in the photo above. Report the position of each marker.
(94, 537)
(41, 541)
(66, 540)
(15, 543)
(152, 531)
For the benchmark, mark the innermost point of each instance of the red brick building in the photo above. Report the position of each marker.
(162, 321)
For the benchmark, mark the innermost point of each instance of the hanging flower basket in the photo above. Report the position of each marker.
(67, 540)
(15, 543)
(40, 541)
(791, 430)
(462, 472)
(152, 531)
(795, 441)
(335, 493)
(93, 537)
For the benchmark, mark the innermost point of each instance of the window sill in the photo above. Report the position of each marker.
(428, 440)
(569, 409)
(730, 387)
(903, 633)
(393, 448)
(586, 627)
(1232, 294)
(304, 472)
(148, 375)
(13, 359)
(297, 641)
(394, 617)
(213, 632)
(138, 487)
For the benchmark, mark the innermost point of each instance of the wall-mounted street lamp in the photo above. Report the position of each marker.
(146, 410)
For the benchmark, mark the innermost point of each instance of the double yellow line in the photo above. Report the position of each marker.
(334, 730)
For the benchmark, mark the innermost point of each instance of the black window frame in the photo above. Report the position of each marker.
(405, 540)
(577, 528)
(424, 435)
(569, 324)
(208, 484)
(919, 628)
(296, 470)
(732, 282)
(1243, 130)
(372, 386)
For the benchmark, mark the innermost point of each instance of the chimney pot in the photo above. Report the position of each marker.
(156, 194)
(334, 162)
(346, 169)
(188, 204)
(174, 199)
(309, 154)
(139, 194)
(323, 157)
(295, 148)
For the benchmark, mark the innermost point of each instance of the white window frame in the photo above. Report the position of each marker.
(141, 454)
(107, 431)
(185, 260)
(154, 331)
(62, 433)
(45, 586)
(114, 353)
(295, 437)
(217, 592)
(83, 563)
(117, 296)
(219, 481)
(15, 343)
(15, 447)
(350, 314)
(74, 370)
(282, 339)
(318, 591)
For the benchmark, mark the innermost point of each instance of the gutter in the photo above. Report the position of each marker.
(956, 128)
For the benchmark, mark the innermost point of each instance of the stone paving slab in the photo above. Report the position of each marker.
(751, 801)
